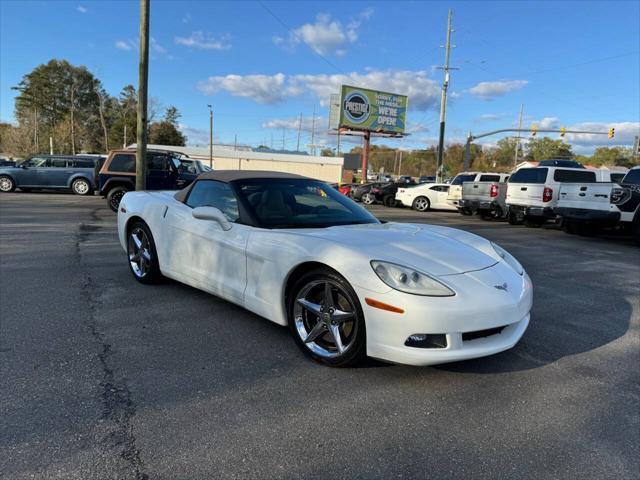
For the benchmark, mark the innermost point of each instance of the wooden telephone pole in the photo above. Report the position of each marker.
(143, 81)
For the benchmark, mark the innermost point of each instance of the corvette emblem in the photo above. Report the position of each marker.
(502, 287)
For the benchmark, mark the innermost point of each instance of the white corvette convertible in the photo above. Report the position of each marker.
(300, 254)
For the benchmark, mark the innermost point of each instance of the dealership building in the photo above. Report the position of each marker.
(327, 169)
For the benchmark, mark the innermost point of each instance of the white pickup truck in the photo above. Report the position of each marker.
(485, 197)
(533, 193)
(455, 190)
(601, 204)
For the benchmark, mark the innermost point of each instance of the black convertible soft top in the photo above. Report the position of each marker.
(227, 176)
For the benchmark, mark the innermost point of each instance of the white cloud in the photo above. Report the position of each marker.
(266, 89)
(125, 45)
(82, 9)
(489, 90)
(548, 123)
(490, 117)
(423, 92)
(625, 133)
(206, 42)
(326, 35)
(156, 47)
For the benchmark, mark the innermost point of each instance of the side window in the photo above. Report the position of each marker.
(37, 162)
(573, 176)
(123, 162)
(157, 162)
(58, 163)
(83, 163)
(211, 193)
(489, 178)
(436, 188)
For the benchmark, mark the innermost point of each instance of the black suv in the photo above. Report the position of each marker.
(165, 171)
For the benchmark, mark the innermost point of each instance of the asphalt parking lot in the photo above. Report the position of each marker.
(101, 377)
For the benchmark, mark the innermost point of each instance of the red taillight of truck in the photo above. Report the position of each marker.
(547, 194)
(494, 191)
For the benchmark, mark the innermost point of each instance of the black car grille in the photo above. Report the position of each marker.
(481, 333)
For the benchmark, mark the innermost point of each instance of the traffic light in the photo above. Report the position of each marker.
(612, 132)
(563, 130)
(534, 130)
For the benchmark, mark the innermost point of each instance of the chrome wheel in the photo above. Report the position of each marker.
(139, 250)
(325, 318)
(421, 204)
(81, 187)
(368, 198)
(6, 184)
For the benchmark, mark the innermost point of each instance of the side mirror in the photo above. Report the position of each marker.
(212, 214)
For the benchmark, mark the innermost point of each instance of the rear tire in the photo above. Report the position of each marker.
(314, 288)
(81, 186)
(421, 204)
(635, 231)
(466, 212)
(389, 200)
(568, 226)
(114, 196)
(7, 184)
(513, 217)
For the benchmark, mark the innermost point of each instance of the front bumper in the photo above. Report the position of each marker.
(588, 215)
(462, 319)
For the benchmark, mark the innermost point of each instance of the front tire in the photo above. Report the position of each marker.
(326, 319)
(421, 204)
(141, 253)
(7, 184)
(114, 196)
(368, 198)
(81, 186)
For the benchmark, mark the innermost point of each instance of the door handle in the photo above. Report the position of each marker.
(603, 195)
(581, 194)
(523, 188)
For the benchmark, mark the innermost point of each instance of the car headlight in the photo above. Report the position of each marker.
(507, 257)
(409, 280)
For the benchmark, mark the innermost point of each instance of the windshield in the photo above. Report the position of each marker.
(463, 178)
(299, 203)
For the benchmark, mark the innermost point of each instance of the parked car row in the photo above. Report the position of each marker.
(111, 176)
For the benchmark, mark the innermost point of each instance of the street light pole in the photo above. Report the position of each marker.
(210, 136)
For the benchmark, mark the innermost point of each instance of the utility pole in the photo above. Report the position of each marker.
(210, 136)
(313, 130)
(299, 130)
(515, 161)
(443, 99)
(50, 145)
(143, 83)
(400, 164)
(124, 140)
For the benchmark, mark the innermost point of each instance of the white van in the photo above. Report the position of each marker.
(455, 191)
(532, 193)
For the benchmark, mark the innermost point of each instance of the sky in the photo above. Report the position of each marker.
(261, 64)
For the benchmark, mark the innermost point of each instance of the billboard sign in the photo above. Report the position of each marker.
(363, 109)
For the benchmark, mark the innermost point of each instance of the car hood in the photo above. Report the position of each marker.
(431, 249)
